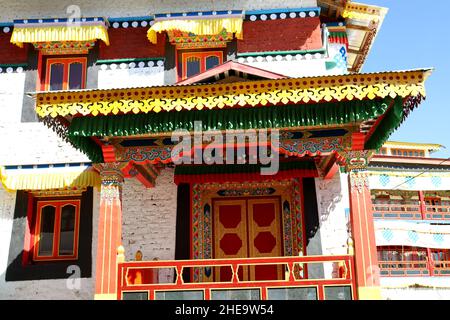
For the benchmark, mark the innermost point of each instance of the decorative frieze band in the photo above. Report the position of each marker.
(282, 14)
(12, 68)
(281, 56)
(131, 64)
(131, 22)
(6, 27)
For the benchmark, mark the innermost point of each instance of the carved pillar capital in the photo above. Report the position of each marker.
(111, 173)
(354, 160)
(359, 181)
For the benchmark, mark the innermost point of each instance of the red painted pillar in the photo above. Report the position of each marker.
(430, 262)
(109, 231)
(365, 249)
(423, 208)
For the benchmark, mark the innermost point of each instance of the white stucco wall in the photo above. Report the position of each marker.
(149, 218)
(27, 143)
(333, 206)
(416, 294)
(291, 68)
(11, 95)
(122, 76)
(33, 143)
(7, 201)
(22, 9)
(39, 289)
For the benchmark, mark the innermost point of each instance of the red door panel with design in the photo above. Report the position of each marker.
(265, 236)
(230, 235)
(248, 228)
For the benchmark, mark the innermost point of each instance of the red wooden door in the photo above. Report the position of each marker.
(230, 235)
(264, 236)
(248, 228)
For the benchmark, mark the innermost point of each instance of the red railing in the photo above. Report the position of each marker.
(440, 268)
(424, 268)
(404, 268)
(411, 211)
(292, 278)
(437, 212)
(397, 211)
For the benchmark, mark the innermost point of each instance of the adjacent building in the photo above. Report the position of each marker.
(410, 196)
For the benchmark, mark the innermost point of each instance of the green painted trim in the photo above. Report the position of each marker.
(392, 120)
(337, 34)
(290, 116)
(89, 147)
(110, 61)
(14, 65)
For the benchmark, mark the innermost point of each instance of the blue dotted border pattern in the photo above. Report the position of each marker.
(198, 14)
(6, 27)
(131, 64)
(46, 166)
(131, 22)
(12, 68)
(282, 14)
(56, 20)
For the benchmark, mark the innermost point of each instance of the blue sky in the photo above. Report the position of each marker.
(415, 35)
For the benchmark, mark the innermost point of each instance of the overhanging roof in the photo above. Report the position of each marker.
(231, 68)
(413, 145)
(396, 161)
(233, 95)
(49, 177)
(373, 104)
(362, 22)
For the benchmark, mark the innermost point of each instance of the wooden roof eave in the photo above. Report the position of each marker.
(255, 93)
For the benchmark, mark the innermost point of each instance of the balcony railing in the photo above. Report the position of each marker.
(437, 212)
(397, 211)
(411, 211)
(142, 279)
(440, 268)
(423, 268)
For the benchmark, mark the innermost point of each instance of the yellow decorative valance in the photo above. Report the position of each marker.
(25, 34)
(198, 27)
(218, 96)
(49, 178)
(363, 12)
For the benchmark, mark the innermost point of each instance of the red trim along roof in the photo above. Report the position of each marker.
(228, 66)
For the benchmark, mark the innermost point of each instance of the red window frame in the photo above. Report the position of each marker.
(66, 62)
(202, 55)
(35, 235)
